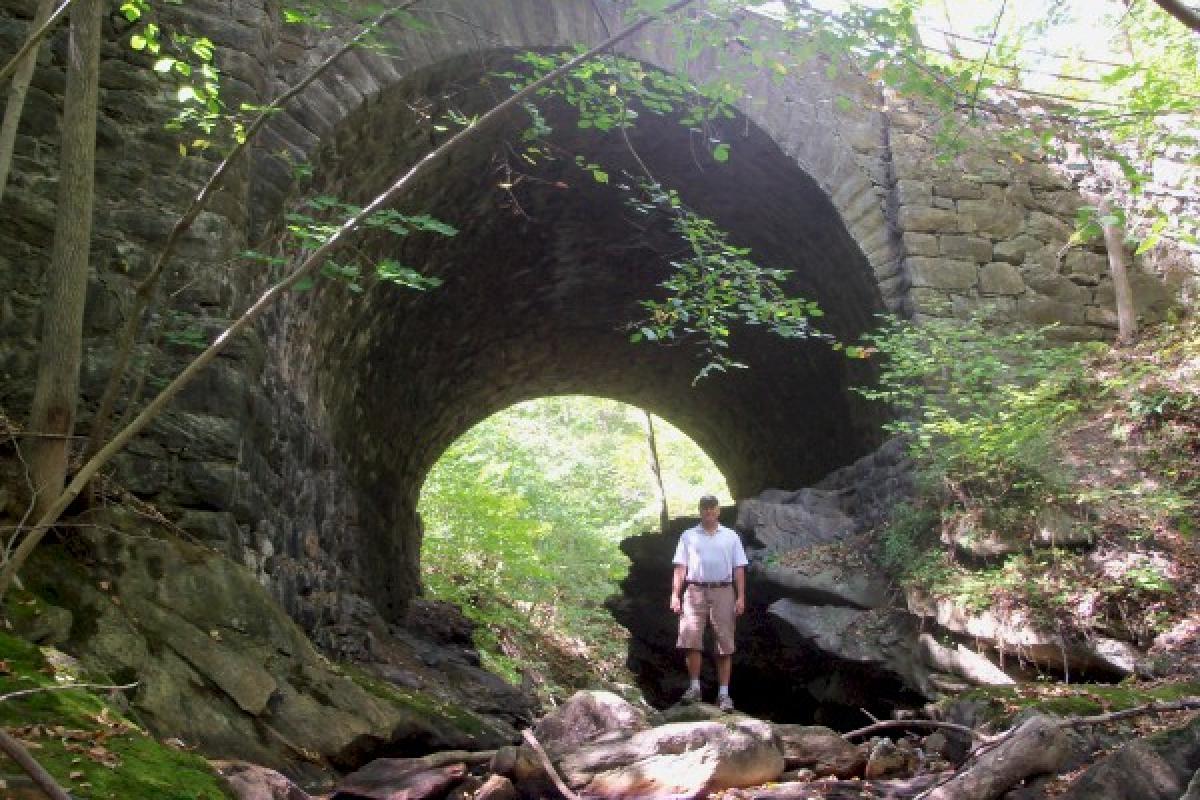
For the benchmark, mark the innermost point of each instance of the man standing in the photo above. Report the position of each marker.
(708, 586)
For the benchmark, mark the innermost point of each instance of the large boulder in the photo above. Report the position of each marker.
(586, 716)
(820, 749)
(680, 759)
(1158, 767)
(879, 643)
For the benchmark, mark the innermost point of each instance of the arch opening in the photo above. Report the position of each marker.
(523, 516)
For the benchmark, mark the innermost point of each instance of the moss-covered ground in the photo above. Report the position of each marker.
(90, 747)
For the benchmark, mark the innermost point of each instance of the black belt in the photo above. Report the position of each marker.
(710, 584)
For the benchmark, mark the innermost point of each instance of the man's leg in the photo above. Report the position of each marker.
(694, 661)
(724, 669)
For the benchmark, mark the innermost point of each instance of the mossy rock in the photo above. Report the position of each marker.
(87, 744)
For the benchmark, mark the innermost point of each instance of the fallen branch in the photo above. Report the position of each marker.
(546, 765)
(17, 752)
(67, 687)
(914, 723)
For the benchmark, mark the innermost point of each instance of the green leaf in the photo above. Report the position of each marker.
(721, 153)
(164, 64)
(137, 41)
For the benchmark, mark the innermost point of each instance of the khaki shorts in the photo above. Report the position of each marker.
(707, 606)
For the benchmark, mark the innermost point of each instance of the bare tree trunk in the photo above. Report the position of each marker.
(56, 394)
(16, 97)
(664, 516)
(1118, 267)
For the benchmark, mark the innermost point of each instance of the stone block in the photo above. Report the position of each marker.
(943, 202)
(1000, 279)
(1019, 194)
(931, 302)
(965, 248)
(958, 189)
(913, 193)
(1039, 310)
(1017, 250)
(1047, 228)
(913, 218)
(999, 221)
(1055, 286)
(921, 244)
(1063, 204)
(1103, 317)
(942, 273)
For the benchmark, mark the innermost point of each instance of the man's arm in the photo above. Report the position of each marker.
(677, 587)
(739, 582)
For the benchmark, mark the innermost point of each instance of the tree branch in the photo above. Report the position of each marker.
(34, 39)
(1185, 14)
(546, 765)
(268, 298)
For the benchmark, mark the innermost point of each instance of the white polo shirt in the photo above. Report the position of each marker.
(710, 557)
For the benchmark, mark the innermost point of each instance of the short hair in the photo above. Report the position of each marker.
(709, 501)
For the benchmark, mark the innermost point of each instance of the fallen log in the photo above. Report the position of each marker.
(1035, 747)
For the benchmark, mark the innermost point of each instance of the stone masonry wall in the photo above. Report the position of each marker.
(242, 460)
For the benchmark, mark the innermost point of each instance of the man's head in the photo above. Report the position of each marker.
(710, 511)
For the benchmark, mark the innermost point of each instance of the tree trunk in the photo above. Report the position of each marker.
(16, 97)
(56, 394)
(1118, 266)
(664, 516)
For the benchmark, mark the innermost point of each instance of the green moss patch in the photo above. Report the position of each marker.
(85, 743)
(419, 704)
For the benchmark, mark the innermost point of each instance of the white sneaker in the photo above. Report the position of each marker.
(692, 695)
(725, 703)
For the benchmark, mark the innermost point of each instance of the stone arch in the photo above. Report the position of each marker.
(387, 380)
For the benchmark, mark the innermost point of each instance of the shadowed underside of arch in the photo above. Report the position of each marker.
(540, 286)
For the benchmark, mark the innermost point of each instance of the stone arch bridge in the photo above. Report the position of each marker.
(302, 452)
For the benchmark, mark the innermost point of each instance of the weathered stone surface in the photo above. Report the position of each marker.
(941, 273)
(915, 219)
(997, 220)
(958, 660)
(678, 759)
(1013, 632)
(1017, 250)
(958, 189)
(1156, 768)
(824, 583)
(586, 716)
(965, 248)
(921, 244)
(780, 521)
(819, 749)
(252, 782)
(1001, 279)
(882, 640)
